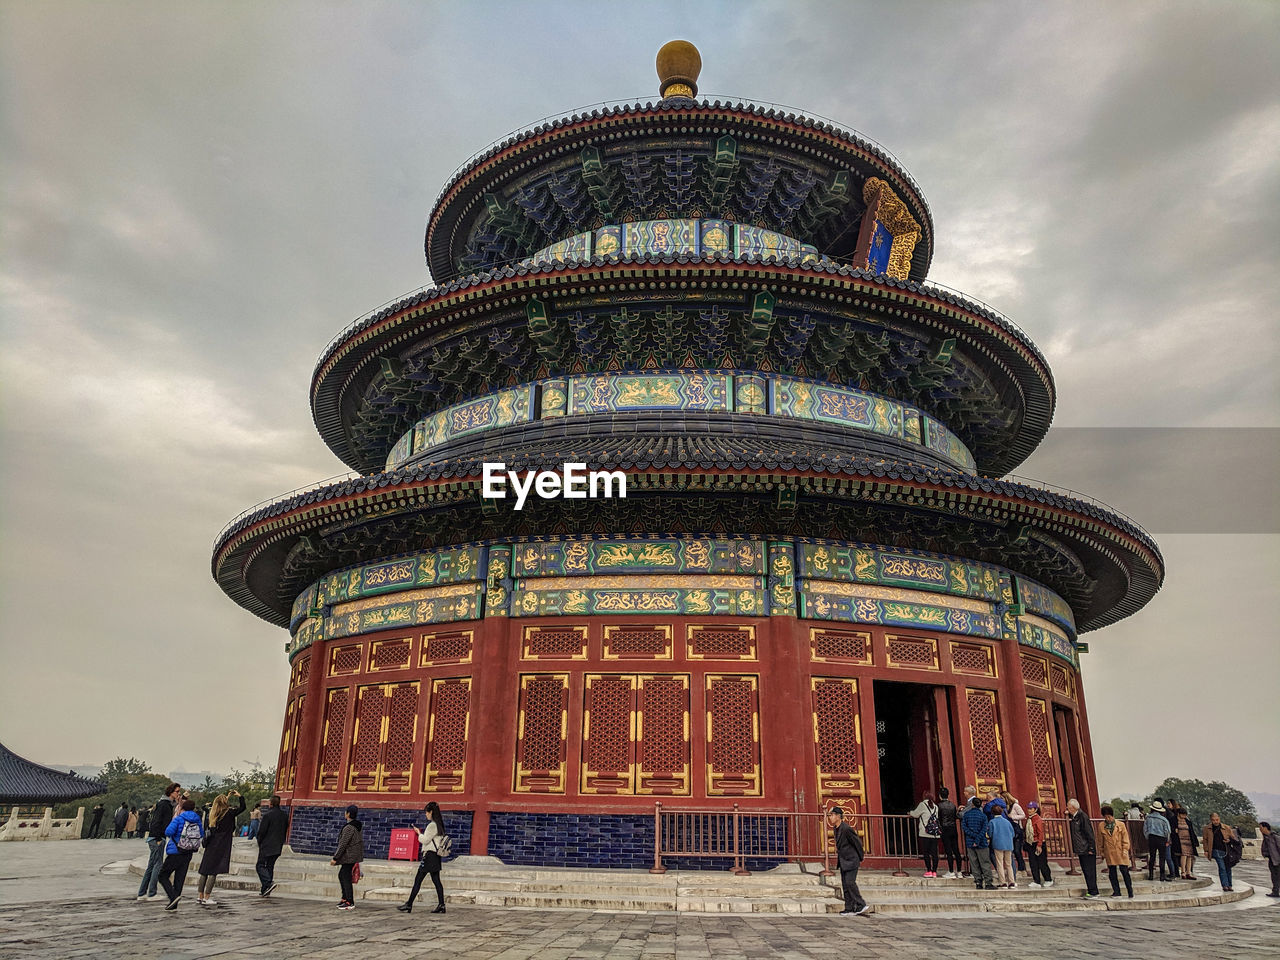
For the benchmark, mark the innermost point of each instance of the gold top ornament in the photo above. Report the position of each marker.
(679, 64)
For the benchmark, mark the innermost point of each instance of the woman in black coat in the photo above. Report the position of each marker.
(217, 844)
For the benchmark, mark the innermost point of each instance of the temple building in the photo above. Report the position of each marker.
(816, 589)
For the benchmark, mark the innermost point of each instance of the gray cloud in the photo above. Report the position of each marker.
(196, 198)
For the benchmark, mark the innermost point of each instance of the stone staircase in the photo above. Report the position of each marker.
(787, 889)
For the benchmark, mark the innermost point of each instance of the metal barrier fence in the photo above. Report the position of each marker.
(743, 838)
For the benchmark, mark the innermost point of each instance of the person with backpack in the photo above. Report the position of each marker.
(436, 845)
(948, 816)
(217, 844)
(1224, 846)
(348, 856)
(1002, 842)
(1156, 829)
(1037, 849)
(977, 840)
(926, 812)
(185, 831)
(1114, 845)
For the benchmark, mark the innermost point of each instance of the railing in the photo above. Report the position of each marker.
(740, 839)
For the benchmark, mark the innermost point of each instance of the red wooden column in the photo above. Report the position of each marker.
(1092, 801)
(1019, 756)
(786, 708)
(493, 722)
(967, 775)
(950, 778)
(310, 729)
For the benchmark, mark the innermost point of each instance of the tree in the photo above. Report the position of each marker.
(120, 767)
(1202, 799)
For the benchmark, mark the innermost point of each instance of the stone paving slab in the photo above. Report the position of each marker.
(86, 909)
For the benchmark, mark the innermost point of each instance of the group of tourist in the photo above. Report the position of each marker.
(176, 831)
(1001, 838)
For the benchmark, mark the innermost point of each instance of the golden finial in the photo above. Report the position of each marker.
(678, 67)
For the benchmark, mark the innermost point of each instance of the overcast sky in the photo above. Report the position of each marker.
(197, 197)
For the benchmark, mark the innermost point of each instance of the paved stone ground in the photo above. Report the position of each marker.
(74, 898)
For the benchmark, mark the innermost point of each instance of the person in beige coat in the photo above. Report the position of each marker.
(1214, 841)
(1113, 844)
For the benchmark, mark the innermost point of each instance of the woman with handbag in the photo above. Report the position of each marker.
(348, 856)
(217, 845)
(430, 839)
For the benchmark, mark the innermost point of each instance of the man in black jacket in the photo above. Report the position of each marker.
(121, 818)
(849, 854)
(96, 826)
(161, 814)
(272, 831)
(948, 816)
(1085, 846)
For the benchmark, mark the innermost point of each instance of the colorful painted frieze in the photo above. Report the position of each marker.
(458, 565)
(400, 452)
(715, 236)
(751, 241)
(1042, 635)
(555, 397)
(608, 393)
(941, 440)
(1043, 601)
(573, 250)
(819, 603)
(862, 563)
(676, 555)
(607, 242)
(304, 606)
(659, 238)
(447, 604)
(782, 579)
(674, 601)
(750, 393)
(501, 409)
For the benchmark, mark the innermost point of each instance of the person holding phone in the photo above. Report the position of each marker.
(431, 862)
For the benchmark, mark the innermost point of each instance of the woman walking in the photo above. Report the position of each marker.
(1037, 852)
(431, 862)
(184, 832)
(1113, 844)
(350, 852)
(217, 845)
(930, 832)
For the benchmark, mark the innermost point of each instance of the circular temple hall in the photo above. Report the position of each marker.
(816, 589)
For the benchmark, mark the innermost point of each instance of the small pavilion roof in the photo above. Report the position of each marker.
(24, 782)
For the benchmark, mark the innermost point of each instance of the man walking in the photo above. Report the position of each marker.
(977, 841)
(156, 824)
(1085, 846)
(1271, 856)
(272, 830)
(849, 854)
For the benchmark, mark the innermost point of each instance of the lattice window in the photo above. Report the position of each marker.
(366, 746)
(301, 672)
(915, 652)
(972, 658)
(1035, 670)
(733, 735)
(555, 643)
(840, 645)
(663, 749)
(334, 741)
(454, 647)
(402, 735)
(1061, 680)
(447, 741)
(287, 767)
(835, 713)
(609, 723)
(343, 660)
(721, 643)
(632, 642)
(540, 740)
(1042, 753)
(389, 654)
(984, 731)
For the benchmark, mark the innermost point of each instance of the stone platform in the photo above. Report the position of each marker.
(787, 889)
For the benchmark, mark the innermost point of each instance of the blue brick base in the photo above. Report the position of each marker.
(315, 829)
(610, 841)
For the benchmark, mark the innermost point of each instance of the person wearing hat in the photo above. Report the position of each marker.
(350, 852)
(1271, 854)
(1156, 829)
(849, 854)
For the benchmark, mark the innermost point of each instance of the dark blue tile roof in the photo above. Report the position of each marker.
(22, 782)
